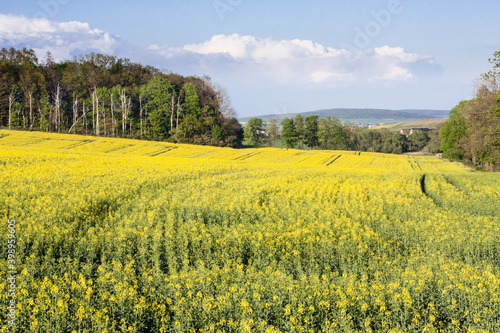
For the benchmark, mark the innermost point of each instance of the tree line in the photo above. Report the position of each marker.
(472, 133)
(314, 132)
(103, 95)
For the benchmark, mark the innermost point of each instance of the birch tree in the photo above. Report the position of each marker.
(125, 108)
(31, 82)
(12, 95)
(57, 108)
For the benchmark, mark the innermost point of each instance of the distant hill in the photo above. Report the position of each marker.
(429, 123)
(365, 116)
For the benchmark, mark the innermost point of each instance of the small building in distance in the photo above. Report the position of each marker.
(409, 131)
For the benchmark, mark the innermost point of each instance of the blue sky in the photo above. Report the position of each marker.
(281, 56)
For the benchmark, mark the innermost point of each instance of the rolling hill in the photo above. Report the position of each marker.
(365, 116)
(427, 123)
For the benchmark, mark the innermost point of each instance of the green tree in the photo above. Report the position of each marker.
(103, 111)
(482, 145)
(32, 83)
(369, 140)
(434, 145)
(254, 131)
(232, 132)
(331, 134)
(391, 142)
(300, 129)
(109, 96)
(192, 103)
(350, 131)
(418, 140)
(288, 132)
(492, 78)
(272, 130)
(339, 138)
(497, 108)
(189, 127)
(8, 88)
(159, 94)
(311, 131)
(472, 132)
(453, 133)
(216, 133)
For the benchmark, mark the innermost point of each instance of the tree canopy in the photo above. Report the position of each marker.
(289, 133)
(329, 133)
(472, 133)
(254, 131)
(109, 96)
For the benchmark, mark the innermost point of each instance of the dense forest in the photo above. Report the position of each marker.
(104, 95)
(314, 132)
(472, 133)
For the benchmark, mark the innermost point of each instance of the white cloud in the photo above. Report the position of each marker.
(397, 73)
(322, 76)
(64, 40)
(260, 49)
(227, 57)
(399, 53)
(302, 61)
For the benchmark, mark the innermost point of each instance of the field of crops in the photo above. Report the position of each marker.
(118, 235)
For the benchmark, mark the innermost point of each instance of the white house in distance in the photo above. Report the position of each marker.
(406, 131)
(410, 131)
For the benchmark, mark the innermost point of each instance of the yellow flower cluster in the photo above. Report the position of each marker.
(134, 236)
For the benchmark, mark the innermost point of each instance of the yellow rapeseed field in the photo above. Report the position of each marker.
(116, 235)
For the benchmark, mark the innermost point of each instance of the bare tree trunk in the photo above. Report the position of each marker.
(50, 119)
(42, 115)
(58, 108)
(124, 124)
(140, 112)
(112, 116)
(75, 113)
(11, 102)
(129, 108)
(58, 111)
(30, 97)
(172, 107)
(96, 112)
(93, 112)
(178, 111)
(75, 109)
(97, 115)
(104, 119)
(146, 119)
(124, 115)
(126, 105)
(84, 117)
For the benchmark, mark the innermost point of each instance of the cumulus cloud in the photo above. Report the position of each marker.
(295, 60)
(260, 49)
(241, 57)
(64, 40)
